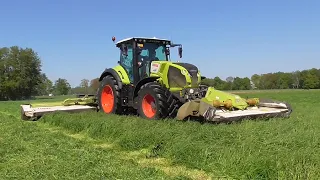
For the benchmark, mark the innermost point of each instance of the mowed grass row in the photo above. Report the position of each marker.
(274, 149)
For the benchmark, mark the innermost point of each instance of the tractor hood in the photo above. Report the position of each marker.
(192, 69)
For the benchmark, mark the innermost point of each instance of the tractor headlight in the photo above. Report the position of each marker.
(185, 72)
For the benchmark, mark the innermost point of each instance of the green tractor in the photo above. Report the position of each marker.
(146, 82)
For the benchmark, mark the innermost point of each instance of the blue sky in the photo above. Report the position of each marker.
(223, 38)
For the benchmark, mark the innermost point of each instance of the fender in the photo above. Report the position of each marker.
(141, 83)
(111, 72)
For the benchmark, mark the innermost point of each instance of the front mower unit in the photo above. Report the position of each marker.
(219, 106)
(210, 113)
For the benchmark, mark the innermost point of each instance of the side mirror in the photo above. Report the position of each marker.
(167, 51)
(180, 51)
(139, 50)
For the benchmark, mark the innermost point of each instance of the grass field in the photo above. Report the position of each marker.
(97, 146)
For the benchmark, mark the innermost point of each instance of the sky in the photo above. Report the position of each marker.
(223, 38)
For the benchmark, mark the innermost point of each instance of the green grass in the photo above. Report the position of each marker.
(93, 145)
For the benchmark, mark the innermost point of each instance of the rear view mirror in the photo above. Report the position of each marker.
(124, 50)
(138, 51)
(180, 51)
(167, 51)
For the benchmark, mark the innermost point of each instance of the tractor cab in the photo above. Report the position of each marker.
(136, 55)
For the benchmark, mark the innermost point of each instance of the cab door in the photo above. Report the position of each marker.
(126, 60)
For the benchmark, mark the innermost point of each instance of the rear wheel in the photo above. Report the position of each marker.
(109, 96)
(156, 102)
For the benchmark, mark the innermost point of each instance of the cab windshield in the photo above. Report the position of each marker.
(153, 52)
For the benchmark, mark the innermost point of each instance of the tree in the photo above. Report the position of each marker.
(246, 84)
(85, 85)
(45, 87)
(94, 84)
(20, 73)
(230, 79)
(229, 84)
(296, 79)
(284, 80)
(218, 83)
(61, 87)
(268, 81)
(241, 83)
(78, 90)
(207, 82)
(236, 83)
(256, 80)
(311, 81)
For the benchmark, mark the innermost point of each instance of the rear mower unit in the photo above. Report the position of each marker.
(79, 104)
(147, 83)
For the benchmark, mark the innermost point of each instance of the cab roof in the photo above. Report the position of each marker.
(143, 39)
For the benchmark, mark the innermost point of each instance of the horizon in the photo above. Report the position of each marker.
(237, 38)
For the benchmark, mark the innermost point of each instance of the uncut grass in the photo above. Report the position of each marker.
(274, 149)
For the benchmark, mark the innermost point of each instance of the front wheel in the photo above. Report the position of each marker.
(156, 102)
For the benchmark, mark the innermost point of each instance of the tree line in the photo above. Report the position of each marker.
(21, 77)
(306, 79)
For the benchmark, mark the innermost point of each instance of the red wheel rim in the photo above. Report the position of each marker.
(148, 104)
(107, 99)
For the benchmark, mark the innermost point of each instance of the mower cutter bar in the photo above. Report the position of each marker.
(252, 113)
(29, 112)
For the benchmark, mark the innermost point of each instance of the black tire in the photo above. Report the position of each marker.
(165, 104)
(109, 83)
